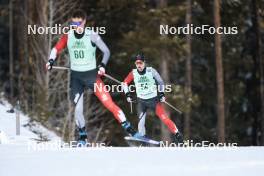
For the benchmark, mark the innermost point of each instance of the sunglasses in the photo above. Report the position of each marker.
(77, 23)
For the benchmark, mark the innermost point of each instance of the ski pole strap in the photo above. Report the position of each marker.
(170, 105)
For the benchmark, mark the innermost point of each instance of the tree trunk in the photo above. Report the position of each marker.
(165, 135)
(219, 75)
(257, 54)
(25, 70)
(11, 53)
(188, 83)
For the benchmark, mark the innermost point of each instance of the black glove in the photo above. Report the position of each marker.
(49, 64)
(162, 97)
(101, 65)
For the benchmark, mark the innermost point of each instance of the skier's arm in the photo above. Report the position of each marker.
(127, 81)
(158, 80)
(160, 83)
(96, 39)
(61, 44)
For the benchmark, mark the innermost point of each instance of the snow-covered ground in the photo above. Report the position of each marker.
(32, 132)
(18, 157)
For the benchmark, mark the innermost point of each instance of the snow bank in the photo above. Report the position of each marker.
(29, 131)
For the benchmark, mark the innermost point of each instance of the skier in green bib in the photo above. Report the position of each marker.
(82, 43)
(150, 95)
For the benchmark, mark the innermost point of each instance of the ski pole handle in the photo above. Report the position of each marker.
(170, 105)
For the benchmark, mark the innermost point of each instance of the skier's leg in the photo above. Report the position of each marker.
(78, 111)
(165, 119)
(141, 124)
(77, 103)
(107, 101)
(178, 138)
(142, 117)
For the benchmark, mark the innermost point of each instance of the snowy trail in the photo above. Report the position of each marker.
(18, 158)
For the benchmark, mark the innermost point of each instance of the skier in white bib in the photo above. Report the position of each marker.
(147, 82)
(81, 44)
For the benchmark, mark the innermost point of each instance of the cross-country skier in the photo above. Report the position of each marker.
(150, 93)
(82, 43)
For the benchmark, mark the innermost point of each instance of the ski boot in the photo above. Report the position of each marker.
(129, 129)
(178, 138)
(82, 136)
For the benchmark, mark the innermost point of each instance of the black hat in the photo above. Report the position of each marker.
(139, 56)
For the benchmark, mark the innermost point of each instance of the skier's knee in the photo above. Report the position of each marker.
(75, 98)
(141, 128)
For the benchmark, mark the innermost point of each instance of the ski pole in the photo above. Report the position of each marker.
(131, 107)
(170, 105)
(106, 75)
(112, 78)
(60, 68)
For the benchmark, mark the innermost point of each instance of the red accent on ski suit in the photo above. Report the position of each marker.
(62, 43)
(160, 111)
(106, 99)
(102, 95)
(129, 78)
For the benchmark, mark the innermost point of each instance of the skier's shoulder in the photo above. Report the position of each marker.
(64, 36)
(149, 69)
(88, 32)
(92, 34)
(153, 71)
